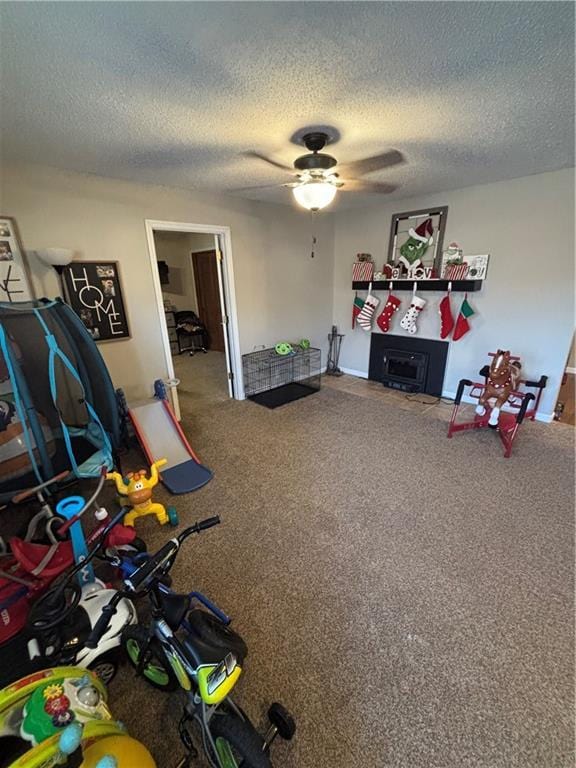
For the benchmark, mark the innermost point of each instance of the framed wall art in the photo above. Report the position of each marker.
(15, 283)
(94, 292)
(415, 245)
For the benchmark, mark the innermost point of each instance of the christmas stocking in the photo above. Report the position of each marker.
(367, 312)
(447, 319)
(408, 322)
(356, 309)
(462, 324)
(383, 319)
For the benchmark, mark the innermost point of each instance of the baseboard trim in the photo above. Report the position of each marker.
(353, 372)
(546, 418)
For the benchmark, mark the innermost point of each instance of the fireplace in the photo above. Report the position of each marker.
(404, 370)
(408, 364)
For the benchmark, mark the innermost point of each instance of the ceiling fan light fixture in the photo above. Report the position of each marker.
(314, 195)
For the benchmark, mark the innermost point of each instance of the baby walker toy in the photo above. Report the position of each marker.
(61, 717)
(501, 387)
(138, 488)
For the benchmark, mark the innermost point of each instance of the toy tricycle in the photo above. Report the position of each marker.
(138, 488)
(60, 717)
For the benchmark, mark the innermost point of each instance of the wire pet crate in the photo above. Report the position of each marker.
(272, 380)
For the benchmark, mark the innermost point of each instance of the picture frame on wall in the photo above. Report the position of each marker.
(94, 291)
(416, 239)
(15, 282)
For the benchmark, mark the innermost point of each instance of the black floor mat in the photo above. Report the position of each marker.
(274, 398)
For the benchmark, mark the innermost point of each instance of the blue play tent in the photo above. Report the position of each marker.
(58, 408)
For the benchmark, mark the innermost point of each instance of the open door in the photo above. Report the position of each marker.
(225, 315)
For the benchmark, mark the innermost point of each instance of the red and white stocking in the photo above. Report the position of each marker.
(446, 317)
(408, 322)
(384, 318)
(366, 315)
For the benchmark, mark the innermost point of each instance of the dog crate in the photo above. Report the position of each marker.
(272, 380)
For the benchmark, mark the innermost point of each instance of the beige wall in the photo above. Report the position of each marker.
(527, 303)
(281, 292)
(175, 248)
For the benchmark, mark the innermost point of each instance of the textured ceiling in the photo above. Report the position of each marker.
(174, 93)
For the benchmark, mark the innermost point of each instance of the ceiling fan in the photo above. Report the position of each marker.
(317, 181)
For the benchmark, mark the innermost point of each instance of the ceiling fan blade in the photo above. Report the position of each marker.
(371, 164)
(379, 187)
(259, 186)
(268, 160)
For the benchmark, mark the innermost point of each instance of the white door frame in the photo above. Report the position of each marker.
(152, 225)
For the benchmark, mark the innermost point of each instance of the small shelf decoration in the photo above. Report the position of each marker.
(15, 282)
(363, 268)
(456, 266)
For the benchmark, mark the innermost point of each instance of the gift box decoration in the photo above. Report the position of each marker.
(456, 271)
(362, 271)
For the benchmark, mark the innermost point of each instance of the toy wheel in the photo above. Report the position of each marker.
(172, 515)
(156, 670)
(238, 743)
(283, 348)
(106, 667)
(283, 720)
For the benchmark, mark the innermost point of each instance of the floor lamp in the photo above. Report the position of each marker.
(57, 258)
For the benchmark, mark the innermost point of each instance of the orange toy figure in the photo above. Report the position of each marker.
(138, 488)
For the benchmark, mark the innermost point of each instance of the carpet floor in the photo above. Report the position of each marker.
(409, 598)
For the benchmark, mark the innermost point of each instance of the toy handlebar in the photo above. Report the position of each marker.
(102, 624)
(460, 392)
(162, 559)
(32, 491)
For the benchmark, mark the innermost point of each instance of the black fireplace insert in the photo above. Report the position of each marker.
(407, 363)
(404, 370)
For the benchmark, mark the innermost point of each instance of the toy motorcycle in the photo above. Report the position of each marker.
(195, 650)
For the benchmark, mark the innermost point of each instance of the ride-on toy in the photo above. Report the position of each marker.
(31, 566)
(138, 488)
(61, 620)
(195, 650)
(60, 717)
(502, 386)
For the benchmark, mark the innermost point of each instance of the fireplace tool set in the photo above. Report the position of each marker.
(335, 340)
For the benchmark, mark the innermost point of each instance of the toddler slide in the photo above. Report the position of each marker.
(161, 437)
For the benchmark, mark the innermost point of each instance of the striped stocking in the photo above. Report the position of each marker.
(366, 315)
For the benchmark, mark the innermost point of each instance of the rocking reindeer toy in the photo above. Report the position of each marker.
(502, 379)
(502, 386)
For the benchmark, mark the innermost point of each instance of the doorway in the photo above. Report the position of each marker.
(194, 284)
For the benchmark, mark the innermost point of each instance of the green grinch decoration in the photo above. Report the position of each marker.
(413, 250)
